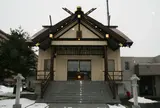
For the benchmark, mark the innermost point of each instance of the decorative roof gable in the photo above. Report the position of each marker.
(115, 40)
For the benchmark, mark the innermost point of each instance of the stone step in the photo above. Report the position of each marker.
(80, 101)
(78, 106)
(78, 92)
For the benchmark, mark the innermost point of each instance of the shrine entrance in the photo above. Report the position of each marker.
(79, 70)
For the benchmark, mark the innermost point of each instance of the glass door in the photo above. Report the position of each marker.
(79, 70)
(85, 69)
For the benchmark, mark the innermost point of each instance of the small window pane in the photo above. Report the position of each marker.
(126, 65)
(47, 65)
(73, 66)
(111, 66)
(85, 66)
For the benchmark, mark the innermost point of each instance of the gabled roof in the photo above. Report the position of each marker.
(116, 36)
(3, 35)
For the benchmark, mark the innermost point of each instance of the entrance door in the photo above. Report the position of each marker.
(79, 70)
(146, 86)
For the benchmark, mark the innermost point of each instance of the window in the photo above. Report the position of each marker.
(46, 65)
(126, 65)
(79, 65)
(73, 65)
(85, 66)
(111, 66)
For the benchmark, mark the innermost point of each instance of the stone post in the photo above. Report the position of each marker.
(19, 79)
(134, 80)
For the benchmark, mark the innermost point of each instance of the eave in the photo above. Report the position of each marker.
(116, 36)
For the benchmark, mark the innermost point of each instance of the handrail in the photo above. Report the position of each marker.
(44, 84)
(111, 82)
(111, 85)
(116, 77)
(41, 74)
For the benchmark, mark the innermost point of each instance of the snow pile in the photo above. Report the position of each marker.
(116, 106)
(143, 100)
(26, 103)
(8, 103)
(4, 89)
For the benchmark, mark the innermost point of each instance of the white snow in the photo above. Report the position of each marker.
(8, 91)
(143, 100)
(116, 106)
(8, 103)
(4, 89)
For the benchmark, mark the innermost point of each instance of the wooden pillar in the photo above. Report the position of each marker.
(105, 63)
(52, 64)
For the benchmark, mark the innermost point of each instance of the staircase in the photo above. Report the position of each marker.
(79, 92)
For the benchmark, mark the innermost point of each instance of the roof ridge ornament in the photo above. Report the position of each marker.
(68, 11)
(79, 9)
(90, 11)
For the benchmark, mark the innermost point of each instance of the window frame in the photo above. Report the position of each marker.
(113, 63)
(126, 65)
(46, 69)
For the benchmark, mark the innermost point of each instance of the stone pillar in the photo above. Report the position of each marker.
(134, 80)
(19, 79)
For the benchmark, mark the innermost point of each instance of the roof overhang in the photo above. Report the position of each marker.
(116, 36)
(148, 69)
(3, 35)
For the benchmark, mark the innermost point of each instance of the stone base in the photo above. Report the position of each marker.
(17, 106)
(136, 106)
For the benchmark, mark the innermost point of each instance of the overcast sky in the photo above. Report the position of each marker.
(138, 19)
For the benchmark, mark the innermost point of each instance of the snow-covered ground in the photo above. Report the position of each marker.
(116, 106)
(8, 103)
(4, 89)
(26, 103)
(143, 100)
(8, 91)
